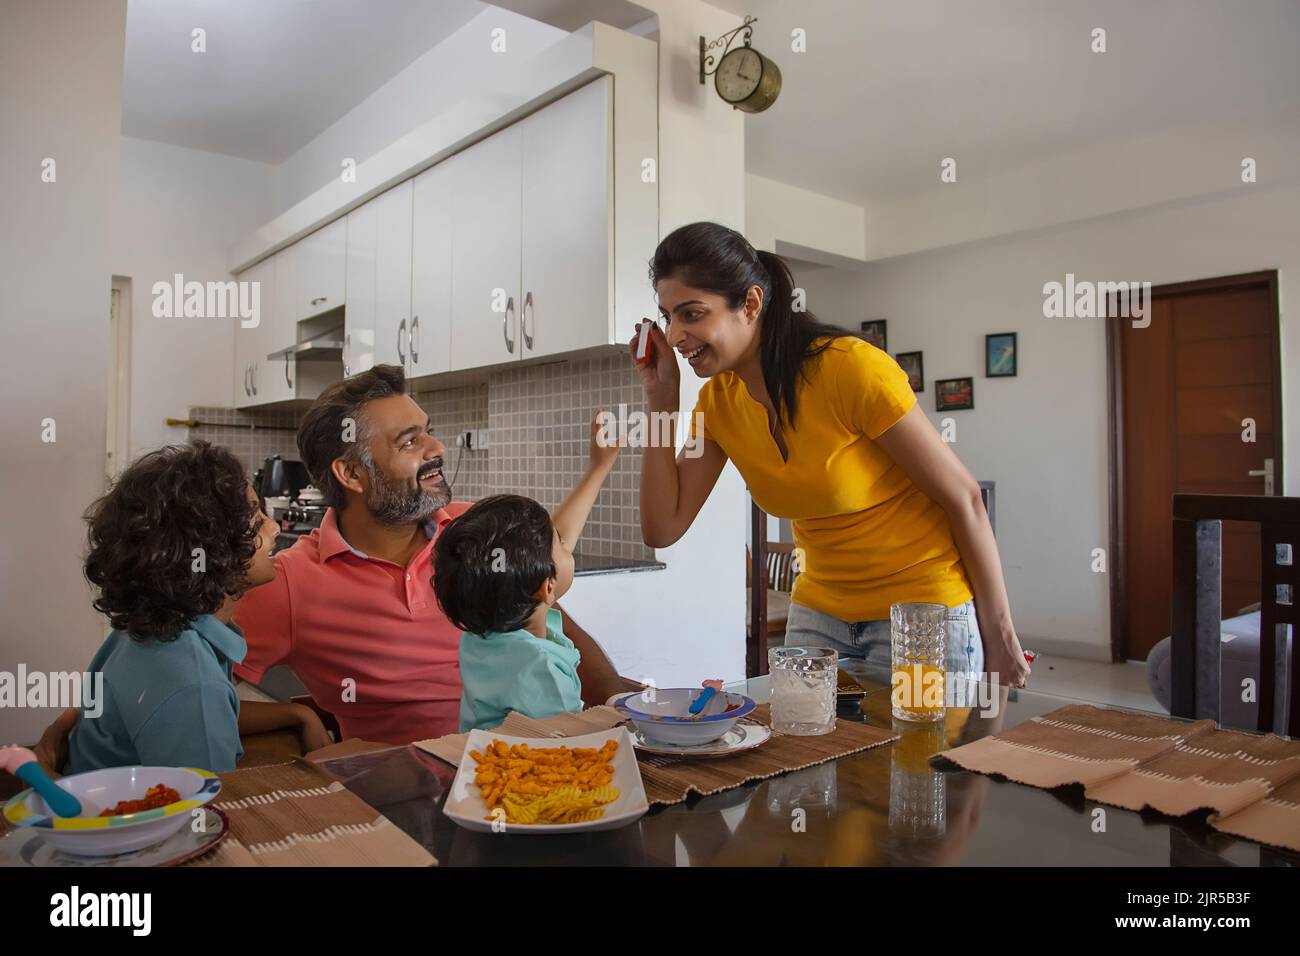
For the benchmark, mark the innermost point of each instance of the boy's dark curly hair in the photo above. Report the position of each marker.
(144, 531)
(481, 589)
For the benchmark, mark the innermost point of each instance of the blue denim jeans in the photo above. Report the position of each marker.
(869, 641)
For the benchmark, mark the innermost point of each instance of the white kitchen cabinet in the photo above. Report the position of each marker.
(566, 234)
(393, 275)
(319, 268)
(359, 316)
(485, 255)
(273, 378)
(377, 322)
(250, 343)
(432, 241)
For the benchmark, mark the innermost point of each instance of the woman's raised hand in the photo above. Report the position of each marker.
(660, 376)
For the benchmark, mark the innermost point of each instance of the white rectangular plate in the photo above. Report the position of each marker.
(465, 804)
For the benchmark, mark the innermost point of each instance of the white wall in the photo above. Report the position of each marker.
(778, 212)
(179, 210)
(448, 73)
(60, 97)
(686, 623)
(1042, 436)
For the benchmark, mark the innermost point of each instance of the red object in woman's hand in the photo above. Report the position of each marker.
(1030, 655)
(645, 349)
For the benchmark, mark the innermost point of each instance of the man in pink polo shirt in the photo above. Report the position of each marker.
(352, 610)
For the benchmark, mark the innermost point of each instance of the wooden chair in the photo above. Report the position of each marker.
(1197, 606)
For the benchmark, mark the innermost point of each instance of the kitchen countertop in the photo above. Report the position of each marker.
(584, 564)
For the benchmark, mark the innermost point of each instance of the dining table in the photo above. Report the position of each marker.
(893, 805)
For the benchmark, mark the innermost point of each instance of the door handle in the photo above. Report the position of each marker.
(525, 314)
(505, 325)
(248, 389)
(254, 378)
(401, 327)
(413, 339)
(286, 373)
(318, 300)
(347, 349)
(1267, 474)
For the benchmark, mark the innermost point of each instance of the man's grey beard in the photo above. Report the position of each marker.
(395, 503)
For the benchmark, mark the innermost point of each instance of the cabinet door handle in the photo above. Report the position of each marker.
(319, 299)
(505, 325)
(347, 350)
(254, 377)
(525, 314)
(248, 389)
(413, 339)
(401, 359)
(287, 381)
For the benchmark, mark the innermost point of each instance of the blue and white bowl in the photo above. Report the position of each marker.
(662, 714)
(105, 836)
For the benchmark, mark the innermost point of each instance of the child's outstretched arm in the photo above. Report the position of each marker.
(571, 517)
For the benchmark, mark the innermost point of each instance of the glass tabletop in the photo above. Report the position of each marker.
(882, 807)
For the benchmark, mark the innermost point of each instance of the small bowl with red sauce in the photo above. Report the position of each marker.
(141, 806)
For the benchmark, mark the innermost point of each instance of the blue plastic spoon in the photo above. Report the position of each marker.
(21, 762)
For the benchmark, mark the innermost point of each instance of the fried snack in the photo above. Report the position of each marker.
(158, 796)
(546, 784)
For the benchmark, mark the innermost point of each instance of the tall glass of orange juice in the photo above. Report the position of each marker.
(919, 653)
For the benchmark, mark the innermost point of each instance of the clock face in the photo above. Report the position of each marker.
(738, 74)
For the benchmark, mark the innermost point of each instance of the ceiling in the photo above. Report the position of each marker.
(276, 72)
(888, 88)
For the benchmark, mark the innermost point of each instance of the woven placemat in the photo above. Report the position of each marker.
(295, 814)
(1250, 782)
(670, 780)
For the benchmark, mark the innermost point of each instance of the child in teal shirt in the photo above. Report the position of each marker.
(499, 568)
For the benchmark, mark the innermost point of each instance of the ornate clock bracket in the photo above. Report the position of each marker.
(711, 60)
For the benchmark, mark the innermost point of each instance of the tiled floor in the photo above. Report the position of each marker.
(1094, 682)
(1097, 682)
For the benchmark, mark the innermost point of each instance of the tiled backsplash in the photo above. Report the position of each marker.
(452, 412)
(252, 446)
(539, 425)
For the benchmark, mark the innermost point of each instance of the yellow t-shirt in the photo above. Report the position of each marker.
(869, 537)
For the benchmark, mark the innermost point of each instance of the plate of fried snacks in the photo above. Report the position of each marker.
(547, 785)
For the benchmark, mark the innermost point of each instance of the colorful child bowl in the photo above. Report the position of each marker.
(663, 714)
(123, 833)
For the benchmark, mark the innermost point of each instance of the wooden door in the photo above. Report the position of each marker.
(1200, 410)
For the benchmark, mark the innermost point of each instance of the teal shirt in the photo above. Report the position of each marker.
(165, 703)
(538, 677)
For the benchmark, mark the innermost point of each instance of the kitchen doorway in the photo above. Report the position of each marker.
(1195, 407)
(118, 432)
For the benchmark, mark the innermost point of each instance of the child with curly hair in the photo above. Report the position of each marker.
(174, 543)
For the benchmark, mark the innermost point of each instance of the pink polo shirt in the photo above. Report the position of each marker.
(365, 635)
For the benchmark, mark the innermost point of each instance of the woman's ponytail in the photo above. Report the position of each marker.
(709, 256)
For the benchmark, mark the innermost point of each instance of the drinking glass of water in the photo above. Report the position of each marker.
(804, 685)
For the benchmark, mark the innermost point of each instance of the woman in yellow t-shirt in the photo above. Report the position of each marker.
(826, 432)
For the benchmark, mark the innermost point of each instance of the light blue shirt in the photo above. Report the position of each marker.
(519, 671)
(166, 703)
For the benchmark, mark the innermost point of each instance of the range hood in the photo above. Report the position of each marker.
(327, 345)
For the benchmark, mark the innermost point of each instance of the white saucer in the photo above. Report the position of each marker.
(745, 735)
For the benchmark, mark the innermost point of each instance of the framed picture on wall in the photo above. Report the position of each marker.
(874, 332)
(914, 365)
(1000, 355)
(951, 394)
